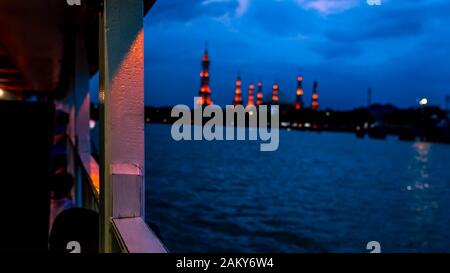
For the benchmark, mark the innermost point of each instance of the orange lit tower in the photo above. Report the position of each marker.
(205, 90)
(299, 93)
(251, 97)
(259, 95)
(275, 94)
(238, 92)
(315, 97)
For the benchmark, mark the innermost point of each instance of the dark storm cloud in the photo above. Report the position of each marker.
(186, 10)
(405, 18)
(281, 18)
(377, 28)
(333, 50)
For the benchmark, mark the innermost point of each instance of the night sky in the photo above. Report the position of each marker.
(400, 49)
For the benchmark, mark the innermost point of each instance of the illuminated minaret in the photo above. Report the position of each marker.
(299, 94)
(259, 95)
(275, 94)
(315, 97)
(205, 90)
(238, 92)
(251, 97)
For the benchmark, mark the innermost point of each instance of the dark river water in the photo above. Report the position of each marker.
(319, 192)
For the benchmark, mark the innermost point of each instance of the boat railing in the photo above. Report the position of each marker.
(128, 234)
(87, 186)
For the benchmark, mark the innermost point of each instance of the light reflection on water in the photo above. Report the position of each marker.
(319, 192)
(422, 149)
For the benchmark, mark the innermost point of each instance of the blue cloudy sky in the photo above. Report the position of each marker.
(401, 49)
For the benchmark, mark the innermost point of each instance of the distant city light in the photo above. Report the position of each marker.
(2, 92)
(423, 101)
